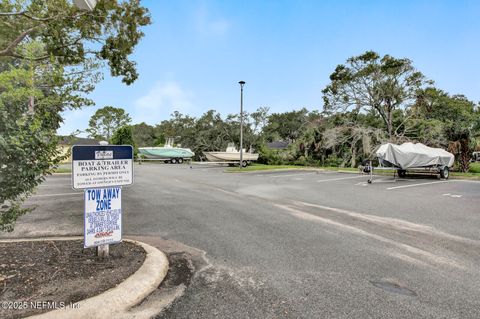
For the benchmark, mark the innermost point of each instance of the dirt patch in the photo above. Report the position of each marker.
(180, 271)
(178, 278)
(37, 277)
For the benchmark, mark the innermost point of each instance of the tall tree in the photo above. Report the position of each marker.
(369, 82)
(179, 126)
(28, 141)
(124, 136)
(144, 135)
(259, 120)
(106, 121)
(50, 57)
(459, 117)
(286, 126)
(108, 33)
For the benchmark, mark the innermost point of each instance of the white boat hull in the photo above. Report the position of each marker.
(166, 152)
(229, 156)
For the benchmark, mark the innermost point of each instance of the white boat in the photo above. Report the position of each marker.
(413, 157)
(231, 154)
(168, 153)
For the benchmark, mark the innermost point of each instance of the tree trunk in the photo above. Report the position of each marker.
(464, 156)
(390, 125)
(354, 155)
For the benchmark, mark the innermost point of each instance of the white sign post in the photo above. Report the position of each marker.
(100, 171)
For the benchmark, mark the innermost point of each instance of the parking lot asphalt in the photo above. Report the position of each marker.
(299, 244)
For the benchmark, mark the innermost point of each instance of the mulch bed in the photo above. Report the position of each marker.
(51, 274)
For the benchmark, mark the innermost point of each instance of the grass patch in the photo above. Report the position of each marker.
(345, 169)
(474, 168)
(473, 176)
(474, 172)
(264, 167)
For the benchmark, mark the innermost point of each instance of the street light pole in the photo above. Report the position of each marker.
(241, 122)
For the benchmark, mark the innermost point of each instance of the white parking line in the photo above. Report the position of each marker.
(389, 181)
(432, 257)
(465, 180)
(414, 185)
(338, 179)
(452, 195)
(60, 194)
(289, 175)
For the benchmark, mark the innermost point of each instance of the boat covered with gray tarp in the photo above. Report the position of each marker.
(413, 155)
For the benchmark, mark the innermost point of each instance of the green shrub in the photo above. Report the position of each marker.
(474, 168)
(333, 160)
(270, 157)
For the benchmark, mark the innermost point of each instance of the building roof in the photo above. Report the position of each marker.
(279, 145)
(69, 140)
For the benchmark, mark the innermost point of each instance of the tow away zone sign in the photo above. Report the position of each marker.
(103, 216)
(101, 166)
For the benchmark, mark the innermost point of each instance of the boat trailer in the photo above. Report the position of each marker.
(441, 171)
(173, 160)
(230, 163)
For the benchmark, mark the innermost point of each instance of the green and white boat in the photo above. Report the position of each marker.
(168, 153)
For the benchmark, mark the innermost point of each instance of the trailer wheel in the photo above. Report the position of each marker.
(244, 163)
(173, 161)
(444, 173)
(180, 160)
(167, 161)
(402, 173)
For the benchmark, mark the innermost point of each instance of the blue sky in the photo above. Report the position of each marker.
(195, 52)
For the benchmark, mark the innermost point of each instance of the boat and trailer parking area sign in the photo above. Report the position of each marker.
(101, 166)
(101, 171)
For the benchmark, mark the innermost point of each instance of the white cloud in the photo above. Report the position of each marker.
(207, 25)
(161, 101)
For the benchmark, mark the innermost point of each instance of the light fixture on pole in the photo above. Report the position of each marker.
(242, 83)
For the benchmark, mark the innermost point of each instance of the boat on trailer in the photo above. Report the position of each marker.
(413, 157)
(168, 153)
(231, 155)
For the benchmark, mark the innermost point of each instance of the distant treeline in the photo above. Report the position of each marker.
(314, 138)
(370, 100)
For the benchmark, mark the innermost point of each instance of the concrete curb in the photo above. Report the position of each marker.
(116, 301)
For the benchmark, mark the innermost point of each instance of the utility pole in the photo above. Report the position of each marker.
(242, 83)
(103, 251)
